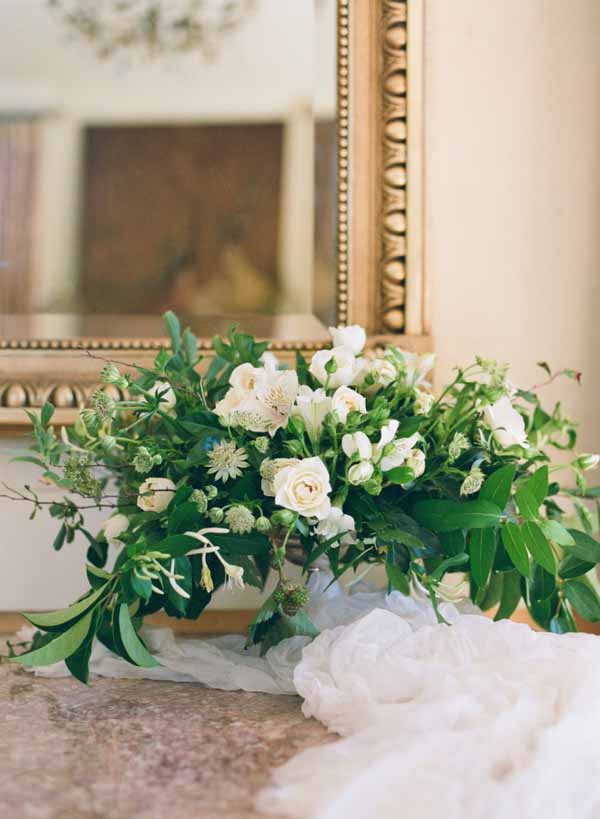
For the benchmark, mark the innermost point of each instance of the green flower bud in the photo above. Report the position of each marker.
(211, 492)
(263, 524)
(143, 461)
(109, 442)
(331, 366)
(262, 444)
(199, 498)
(295, 448)
(587, 461)
(216, 514)
(110, 375)
(283, 517)
(296, 426)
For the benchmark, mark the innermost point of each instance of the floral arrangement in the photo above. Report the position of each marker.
(214, 474)
(151, 25)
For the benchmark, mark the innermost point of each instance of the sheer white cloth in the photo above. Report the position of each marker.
(475, 720)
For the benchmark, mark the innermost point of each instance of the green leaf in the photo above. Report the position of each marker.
(557, 533)
(174, 330)
(46, 414)
(446, 516)
(527, 503)
(515, 546)
(491, 596)
(61, 647)
(573, 566)
(482, 548)
(397, 578)
(584, 547)
(59, 540)
(252, 544)
(186, 517)
(267, 611)
(582, 596)
(136, 650)
(543, 584)
(177, 545)
(284, 627)
(142, 586)
(79, 662)
(538, 484)
(538, 546)
(498, 486)
(53, 619)
(511, 594)
(400, 475)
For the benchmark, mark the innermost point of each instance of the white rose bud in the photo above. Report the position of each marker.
(353, 338)
(360, 472)
(344, 364)
(506, 423)
(114, 527)
(155, 494)
(304, 488)
(346, 400)
(416, 461)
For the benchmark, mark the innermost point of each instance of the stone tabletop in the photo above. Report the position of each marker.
(130, 749)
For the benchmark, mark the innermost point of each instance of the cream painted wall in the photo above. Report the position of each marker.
(513, 238)
(513, 189)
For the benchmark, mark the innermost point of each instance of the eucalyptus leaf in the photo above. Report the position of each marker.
(482, 548)
(53, 619)
(511, 594)
(61, 647)
(527, 503)
(137, 652)
(584, 546)
(498, 485)
(583, 597)
(538, 546)
(516, 547)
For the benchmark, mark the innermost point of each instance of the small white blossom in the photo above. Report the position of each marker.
(473, 482)
(424, 401)
(239, 519)
(459, 444)
(353, 338)
(335, 524)
(416, 461)
(227, 461)
(506, 423)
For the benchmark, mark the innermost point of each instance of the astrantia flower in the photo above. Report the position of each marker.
(459, 444)
(268, 471)
(473, 482)
(226, 461)
(240, 520)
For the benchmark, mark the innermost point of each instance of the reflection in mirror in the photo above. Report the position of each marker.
(182, 159)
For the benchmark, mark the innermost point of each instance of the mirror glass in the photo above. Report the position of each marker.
(167, 154)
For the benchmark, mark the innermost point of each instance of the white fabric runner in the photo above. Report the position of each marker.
(479, 720)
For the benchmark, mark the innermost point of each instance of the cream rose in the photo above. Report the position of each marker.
(345, 367)
(114, 527)
(155, 494)
(506, 423)
(312, 406)
(304, 488)
(353, 338)
(346, 400)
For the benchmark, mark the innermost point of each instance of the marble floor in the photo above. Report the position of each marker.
(124, 749)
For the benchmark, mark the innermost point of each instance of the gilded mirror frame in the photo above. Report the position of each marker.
(381, 280)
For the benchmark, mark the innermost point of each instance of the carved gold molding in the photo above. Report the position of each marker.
(394, 165)
(380, 281)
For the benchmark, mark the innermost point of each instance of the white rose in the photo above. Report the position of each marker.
(312, 406)
(346, 400)
(167, 397)
(402, 450)
(346, 367)
(304, 488)
(360, 472)
(506, 423)
(269, 468)
(357, 442)
(416, 461)
(336, 523)
(114, 527)
(417, 367)
(155, 494)
(354, 338)
(235, 400)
